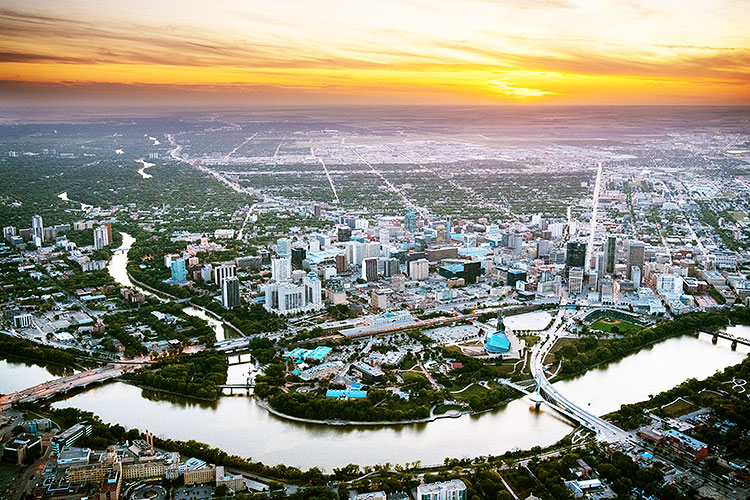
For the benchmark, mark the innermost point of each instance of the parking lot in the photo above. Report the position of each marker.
(194, 492)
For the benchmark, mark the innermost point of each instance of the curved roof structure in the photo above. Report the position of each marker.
(496, 342)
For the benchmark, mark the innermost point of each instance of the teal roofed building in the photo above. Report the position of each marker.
(497, 342)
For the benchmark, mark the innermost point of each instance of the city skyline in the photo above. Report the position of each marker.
(480, 52)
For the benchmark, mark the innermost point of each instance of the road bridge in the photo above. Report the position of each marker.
(63, 385)
(604, 430)
(239, 387)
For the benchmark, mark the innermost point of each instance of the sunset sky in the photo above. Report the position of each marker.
(379, 52)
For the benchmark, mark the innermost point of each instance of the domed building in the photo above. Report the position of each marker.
(496, 342)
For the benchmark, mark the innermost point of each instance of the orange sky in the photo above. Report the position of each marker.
(384, 51)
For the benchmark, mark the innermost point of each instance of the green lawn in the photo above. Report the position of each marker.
(738, 216)
(606, 324)
(412, 377)
(531, 340)
(474, 390)
(440, 409)
(678, 408)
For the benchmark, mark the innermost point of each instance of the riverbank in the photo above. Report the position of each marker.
(21, 348)
(631, 343)
(452, 414)
(266, 406)
(165, 391)
(516, 426)
(208, 312)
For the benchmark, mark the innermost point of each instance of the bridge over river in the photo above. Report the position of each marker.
(62, 385)
(547, 394)
(734, 339)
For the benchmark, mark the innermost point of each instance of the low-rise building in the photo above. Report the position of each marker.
(448, 490)
(685, 444)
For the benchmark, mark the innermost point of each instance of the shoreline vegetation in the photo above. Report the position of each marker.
(576, 362)
(42, 355)
(355, 423)
(713, 389)
(176, 376)
(198, 375)
(105, 434)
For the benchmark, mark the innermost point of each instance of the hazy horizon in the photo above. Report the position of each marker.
(417, 52)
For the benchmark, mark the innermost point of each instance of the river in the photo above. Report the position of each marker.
(239, 426)
(19, 375)
(64, 197)
(118, 269)
(146, 165)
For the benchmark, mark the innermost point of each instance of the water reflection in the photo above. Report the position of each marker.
(16, 374)
(118, 269)
(239, 426)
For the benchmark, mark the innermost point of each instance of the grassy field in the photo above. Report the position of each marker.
(531, 340)
(412, 377)
(738, 216)
(474, 390)
(678, 408)
(606, 324)
(440, 409)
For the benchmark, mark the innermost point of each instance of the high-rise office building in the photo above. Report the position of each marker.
(207, 272)
(515, 241)
(410, 222)
(101, 239)
(372, 249)
(344, 233)
(610, 251)
(635, 276)
(472, 270)
(575, 280)
(384, 236)
(443, 229)
(37, 228)
(576, 254)
(230, 292)
(283, 247)
(370, 269)
(557, 229)
(108, 225)
(419, 269)
(9, 232)
(341, 263)
(298, 255)
(391, 267)
(636, 254)
(281, 269)
(600, 265)
(291, 298)
(515, 276)
(179, 273)
(224, 271)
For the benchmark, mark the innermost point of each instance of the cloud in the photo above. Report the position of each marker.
(463, 48)
(21, 57)
(505, 87)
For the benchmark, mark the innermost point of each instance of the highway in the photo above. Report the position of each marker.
(49, 389)
(604, 430)
(594, 209)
